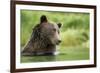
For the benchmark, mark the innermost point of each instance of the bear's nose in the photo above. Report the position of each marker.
(59, 41)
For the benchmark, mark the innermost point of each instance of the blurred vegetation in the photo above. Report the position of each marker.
(74, 32)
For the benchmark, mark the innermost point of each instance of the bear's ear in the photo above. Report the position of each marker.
(59, 25)
(43, 19)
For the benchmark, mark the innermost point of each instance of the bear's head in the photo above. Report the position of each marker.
(50, 31)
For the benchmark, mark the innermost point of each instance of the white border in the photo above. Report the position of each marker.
(57, 63)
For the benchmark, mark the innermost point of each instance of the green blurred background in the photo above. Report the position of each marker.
(74, 34)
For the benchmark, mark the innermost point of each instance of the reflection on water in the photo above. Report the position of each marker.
(44, 58)
(39, 58)
(72, 54)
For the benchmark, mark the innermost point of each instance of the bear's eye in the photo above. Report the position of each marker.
(54, 29)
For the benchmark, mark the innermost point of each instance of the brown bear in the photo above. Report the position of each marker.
(44, 39)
